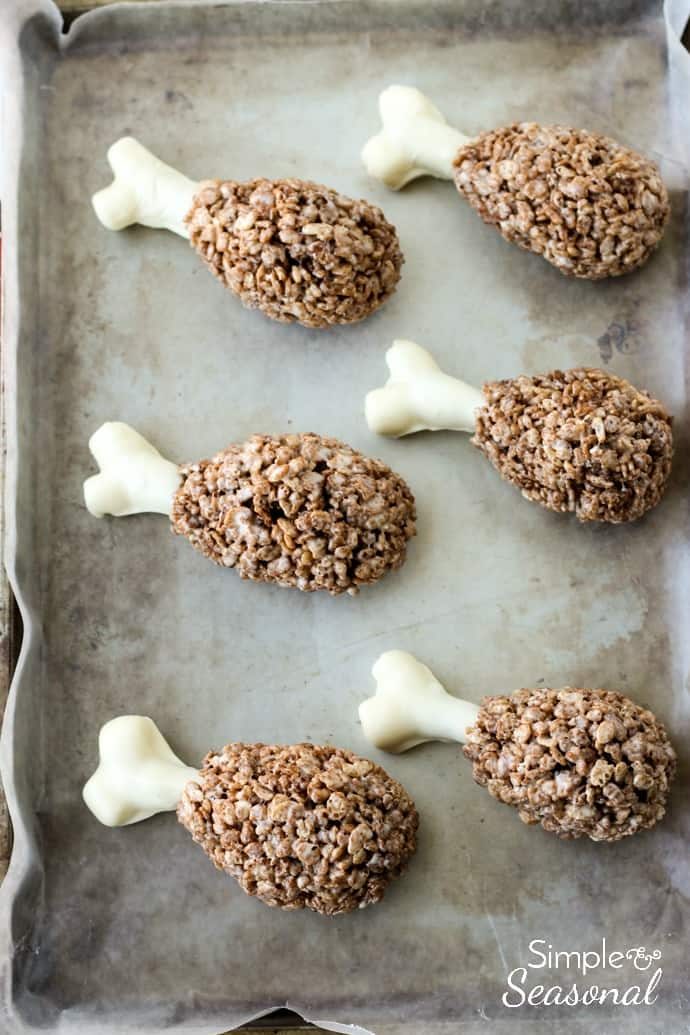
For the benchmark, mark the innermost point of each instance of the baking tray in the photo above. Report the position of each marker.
(113, 931)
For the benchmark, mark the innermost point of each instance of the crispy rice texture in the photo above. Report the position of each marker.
(589, 206)
(296, 250)
(302, 826)
(298, 510)
(580, 762)
(581, 441)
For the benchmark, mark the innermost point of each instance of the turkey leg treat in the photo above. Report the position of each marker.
(297, 251)
(298, 827)
(581, 762)
(588, 205)
(581, 441)
(298, 510)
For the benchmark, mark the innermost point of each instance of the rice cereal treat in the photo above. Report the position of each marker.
(296, 250)
(579, 441)
(297, 510)
(590, 206)
(577, 761)
(298, 827)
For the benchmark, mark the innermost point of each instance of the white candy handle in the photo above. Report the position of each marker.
(144, 190)
(415, 140)
(138, 773)
(418, 396)
(134, 478)
(410, 706)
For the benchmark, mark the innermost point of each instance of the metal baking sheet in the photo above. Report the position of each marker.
(132, 929)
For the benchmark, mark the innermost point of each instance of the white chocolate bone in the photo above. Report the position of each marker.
(418, 396)
(415, 140)
(138, 773)
(144, 190)
(134, 478)
(410, 706)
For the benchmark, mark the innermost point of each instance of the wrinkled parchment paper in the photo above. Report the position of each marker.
(122, 930)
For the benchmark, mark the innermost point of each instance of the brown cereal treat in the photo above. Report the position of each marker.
(301, 826)
(299, 510)
(297, 251)
(588, 205)
(581, 440)
(580, 762)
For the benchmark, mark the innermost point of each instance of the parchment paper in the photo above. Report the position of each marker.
(132, 929)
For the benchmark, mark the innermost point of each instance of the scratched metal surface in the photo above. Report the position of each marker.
(114, 930)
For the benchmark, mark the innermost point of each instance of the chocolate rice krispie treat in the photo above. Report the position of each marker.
(588, 205)
(296, 250)
(583, 441)
(581, 762)
(301, 826)
(298, 510)
(592, 207)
